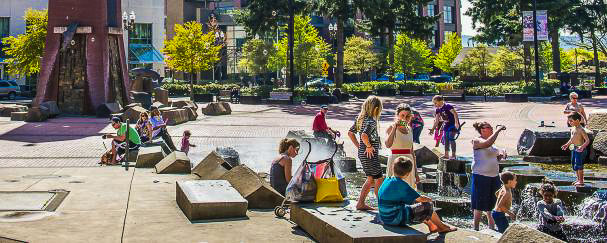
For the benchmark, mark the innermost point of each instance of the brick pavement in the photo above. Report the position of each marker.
(254, 130)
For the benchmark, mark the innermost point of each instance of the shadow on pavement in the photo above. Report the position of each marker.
(57, 129)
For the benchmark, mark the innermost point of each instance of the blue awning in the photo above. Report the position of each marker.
(144, 53)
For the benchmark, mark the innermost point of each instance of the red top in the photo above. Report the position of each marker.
(320, 125)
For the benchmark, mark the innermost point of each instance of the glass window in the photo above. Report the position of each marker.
(447, 14)
(141, 34)
(430, 10)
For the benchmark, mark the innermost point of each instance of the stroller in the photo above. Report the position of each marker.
(302, 187)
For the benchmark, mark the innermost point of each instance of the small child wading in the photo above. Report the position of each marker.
(578, 144)
(504, 201)
(550, 212)
(400, 205)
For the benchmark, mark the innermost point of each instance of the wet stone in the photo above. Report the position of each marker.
(428, 185)
(347, 164)
(547, 159)
(18, 116)
(543, 141)
(522, 233)
(570, 196)
(452, 165)
(429, 168)
(209, 199)
(506, 164)
(452, 206)
(425, 156)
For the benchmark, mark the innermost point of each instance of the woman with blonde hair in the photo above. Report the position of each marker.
(400, 141)
(575, 106)
(368, 147)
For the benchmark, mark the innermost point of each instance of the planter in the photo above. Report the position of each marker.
(511, 97)
(362, 94)
(203, 97)
(411, 93)
(250, 100)
(319, 100)
(386, 92)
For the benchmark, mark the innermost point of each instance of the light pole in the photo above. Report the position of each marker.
(333, 32)
(537, 64)
(291, 43)
(128, 23)
(220, 38)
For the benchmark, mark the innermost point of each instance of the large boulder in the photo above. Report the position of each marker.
(252, 187)
(36, 114)
(144, 98)
(425, 156)
(133, 113)
(53, 109)
(229, 154)
(161, 95)
(597, 120)
(175, 163)
(6, 110)
(174, 116)
(543, 141)
(522, 233)
(192, 113)
(183, 103)
(600, 143)
(216, 109)
(211, 167)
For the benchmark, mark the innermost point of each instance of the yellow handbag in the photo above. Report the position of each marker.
(328, 190)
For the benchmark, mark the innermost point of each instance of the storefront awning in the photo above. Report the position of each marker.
(144, 53)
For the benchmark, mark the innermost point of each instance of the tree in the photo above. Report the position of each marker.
(448, 52)
(191, 50)
(262, 16)
(411, 56)
(476, 62)
(25, 50)
(358, 56)
(342, 10)
(506, 61)
(546, 59)
(387, 17)
(310, 51)
(255, 56)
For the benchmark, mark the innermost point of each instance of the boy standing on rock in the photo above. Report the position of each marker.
(577, 144)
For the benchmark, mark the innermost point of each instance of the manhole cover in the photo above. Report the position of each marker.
(31, 200)
(45, 176)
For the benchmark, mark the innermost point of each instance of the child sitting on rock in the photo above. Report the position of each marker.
(550, 212)
(400, 205)
(504, 201)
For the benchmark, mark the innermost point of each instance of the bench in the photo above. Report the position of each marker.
(282, 98)
(453, 94)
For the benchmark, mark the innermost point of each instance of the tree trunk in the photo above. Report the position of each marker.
(391, 52)
(339, 77)
(191, 86)
(597, 65)
(556, 50)
(527, 61)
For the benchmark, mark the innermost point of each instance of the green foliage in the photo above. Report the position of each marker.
(505, 61)
(448, 52)
(258, 17)
(181, 88)
(191, 50)
(476, 62)
(546, 59)
(358, 56)
(489, 89)
(253, 58)
(25, 50)
(411, 56)
(310, 50)
(416, 86)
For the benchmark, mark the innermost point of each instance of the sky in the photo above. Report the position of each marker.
(467, 20)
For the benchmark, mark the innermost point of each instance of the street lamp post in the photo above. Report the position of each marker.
(291, 43)
(128, 22)
(333, 32)
(537, 61)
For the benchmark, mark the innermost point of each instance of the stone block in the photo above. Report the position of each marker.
(452, 206)
(18, 116)
(226, 106)
(161, 95)
(159, 104)
(159, 142)
(522, 233)
(597, 120)
(542, 141)
(600, 143)
(144, 98)
(36, 114)
(107, 109)
(6, 110)
(337, 223)
(452, 165)
(602, 160)
(183, 103)
(175, 163)
(148, 157)
(210, 199)
(429, 168)
(192, 113)
(252, 187)
(132, 104)
(133, 113)
(53, 109)
(428, 186)
(347, 164)
(174, 116)
(216, 109)
(211, 167)
(425, 156)
(229, 154)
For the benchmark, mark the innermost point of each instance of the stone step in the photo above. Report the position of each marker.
(428, 185)
(252, 187)
(338, 223)
(452, 165)
(210, 199)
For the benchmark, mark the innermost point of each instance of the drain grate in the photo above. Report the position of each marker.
(31, 200)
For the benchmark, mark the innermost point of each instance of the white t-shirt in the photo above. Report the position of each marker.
(485, 161)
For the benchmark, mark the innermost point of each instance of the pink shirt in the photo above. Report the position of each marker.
(185, 145)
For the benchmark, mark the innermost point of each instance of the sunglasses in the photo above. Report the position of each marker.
(574, 98)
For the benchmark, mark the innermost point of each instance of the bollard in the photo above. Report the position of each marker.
(125, 163)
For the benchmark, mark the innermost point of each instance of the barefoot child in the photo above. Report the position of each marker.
(400, 205)
(550, 212)
(577, 144)
(504, 201)
(450, 124)
(185, 142)
(368, 147)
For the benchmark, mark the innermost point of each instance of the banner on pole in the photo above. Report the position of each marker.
(542, 25)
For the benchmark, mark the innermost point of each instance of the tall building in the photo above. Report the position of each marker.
(449, 22)
(145, 42)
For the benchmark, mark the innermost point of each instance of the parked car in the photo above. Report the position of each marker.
(443, 78)
(319, 82)
(397, 77)
(10, 89)
(421, 77)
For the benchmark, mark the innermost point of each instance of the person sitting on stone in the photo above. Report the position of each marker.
(401, 205)
(280, 172)
(159, 128)
(144, 128)
(119, 144)
(320, 127)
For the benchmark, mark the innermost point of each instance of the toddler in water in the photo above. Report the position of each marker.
(185, 142)
(504, 201)
(550, 212)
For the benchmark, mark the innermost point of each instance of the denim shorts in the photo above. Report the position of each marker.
(500, 220)
(577, 159)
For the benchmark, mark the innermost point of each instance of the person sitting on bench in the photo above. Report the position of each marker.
(119, 140)
(159, 128)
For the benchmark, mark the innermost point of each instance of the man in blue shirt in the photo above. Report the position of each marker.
(401, 205)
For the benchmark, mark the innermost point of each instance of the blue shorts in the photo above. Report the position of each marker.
(500, 221)
(483, 192)
(577, 159)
